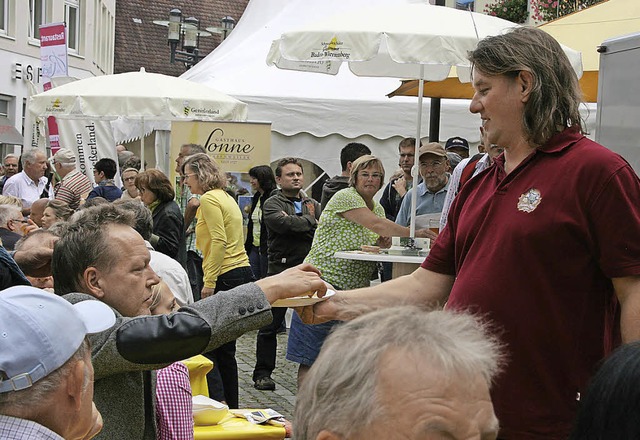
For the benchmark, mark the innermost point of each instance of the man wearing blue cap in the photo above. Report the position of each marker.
(46, 376)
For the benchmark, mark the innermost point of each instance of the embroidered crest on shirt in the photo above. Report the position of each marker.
(529, 201)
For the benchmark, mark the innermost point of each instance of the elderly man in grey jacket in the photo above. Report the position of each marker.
(102, 257)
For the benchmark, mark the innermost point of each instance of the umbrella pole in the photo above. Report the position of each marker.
(142, 146)
(414, 170)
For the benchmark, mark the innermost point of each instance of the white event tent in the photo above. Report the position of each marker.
(313, 116)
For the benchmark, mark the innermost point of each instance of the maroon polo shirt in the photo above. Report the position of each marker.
(534, 252)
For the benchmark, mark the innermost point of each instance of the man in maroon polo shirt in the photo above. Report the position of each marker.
(545, 243)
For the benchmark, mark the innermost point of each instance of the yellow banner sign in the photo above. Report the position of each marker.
(235, 146)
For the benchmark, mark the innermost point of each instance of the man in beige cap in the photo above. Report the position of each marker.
(75, 186)
(433, 166)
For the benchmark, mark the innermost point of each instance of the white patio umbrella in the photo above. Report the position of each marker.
(138, 96)
(407, 41)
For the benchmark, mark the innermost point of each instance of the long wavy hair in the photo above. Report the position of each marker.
(556, 96)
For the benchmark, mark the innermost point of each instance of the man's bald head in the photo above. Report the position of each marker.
(37, 210)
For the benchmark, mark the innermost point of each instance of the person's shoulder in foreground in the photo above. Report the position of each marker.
(46, 387)
(412, 364)
(610, 404)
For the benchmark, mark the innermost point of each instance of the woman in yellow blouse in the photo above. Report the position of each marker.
(225, 263)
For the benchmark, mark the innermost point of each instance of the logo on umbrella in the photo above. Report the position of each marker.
(332, 49)
(56, 106)
(333, 44)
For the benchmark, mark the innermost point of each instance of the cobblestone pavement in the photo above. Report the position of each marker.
(284, 397)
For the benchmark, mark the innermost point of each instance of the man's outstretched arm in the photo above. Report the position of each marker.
(422, 288)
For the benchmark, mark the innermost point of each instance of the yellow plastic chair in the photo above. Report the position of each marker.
(198, 367)
(230, 427)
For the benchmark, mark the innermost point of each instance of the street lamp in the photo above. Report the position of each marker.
(187, 33)
(226, 26)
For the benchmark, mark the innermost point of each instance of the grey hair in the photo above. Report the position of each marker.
(124, 156)
(143, 217)
(36, 236)
(85, 243)
(193, 149)
(10, 156)
(28, 400)
(58, 229)
(340, 391)
(30, 156)
(9, 212)
(555, 98)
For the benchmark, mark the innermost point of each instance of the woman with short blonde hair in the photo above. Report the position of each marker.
(368, 161)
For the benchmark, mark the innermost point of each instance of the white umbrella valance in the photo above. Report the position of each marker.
(409, 41)
(137, 95)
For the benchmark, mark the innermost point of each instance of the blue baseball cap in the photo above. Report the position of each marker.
(40, 331)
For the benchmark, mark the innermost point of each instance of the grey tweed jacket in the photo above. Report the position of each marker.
(125, 356)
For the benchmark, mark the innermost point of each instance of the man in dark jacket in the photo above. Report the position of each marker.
(348, 155)
(103, 172)
(11, 225)
(397, 187)
(291, 219)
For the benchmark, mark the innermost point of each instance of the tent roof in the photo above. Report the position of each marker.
(299, 102)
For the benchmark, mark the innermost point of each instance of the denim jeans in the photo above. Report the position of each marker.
(258, 262)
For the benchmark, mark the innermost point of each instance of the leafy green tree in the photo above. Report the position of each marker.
(541, 10)
(512, 10)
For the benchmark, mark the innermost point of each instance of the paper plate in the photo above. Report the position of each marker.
(301, 301)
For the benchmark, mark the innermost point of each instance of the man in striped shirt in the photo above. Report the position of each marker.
(74, 186)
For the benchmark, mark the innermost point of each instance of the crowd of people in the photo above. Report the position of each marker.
(519, 324)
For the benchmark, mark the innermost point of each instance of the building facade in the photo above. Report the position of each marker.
(90, 34)
(142, 43)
